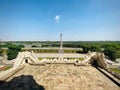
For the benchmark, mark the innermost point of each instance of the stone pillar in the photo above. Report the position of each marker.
(61, 47)
(61, 40)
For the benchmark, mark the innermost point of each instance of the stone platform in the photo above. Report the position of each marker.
(59, 77)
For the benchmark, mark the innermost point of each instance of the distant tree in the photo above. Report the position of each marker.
(118, 54)
(111, 53)
(22, 46)
(34, 46)
(0, 50)
(95, 48)
(85, 47)
(13, 51)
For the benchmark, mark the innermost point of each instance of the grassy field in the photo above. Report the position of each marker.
(115, 70)
(5, 68)
(40, 58)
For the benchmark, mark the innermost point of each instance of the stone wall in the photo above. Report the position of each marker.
(4, 75)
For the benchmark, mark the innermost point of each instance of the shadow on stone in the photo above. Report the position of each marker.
(23, 82)
(95, 63)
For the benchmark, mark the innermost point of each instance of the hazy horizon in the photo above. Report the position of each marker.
(62, 40)
(44, 20)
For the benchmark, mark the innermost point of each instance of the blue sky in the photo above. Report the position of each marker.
(44, 20)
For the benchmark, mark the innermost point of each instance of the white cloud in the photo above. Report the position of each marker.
(57, 18)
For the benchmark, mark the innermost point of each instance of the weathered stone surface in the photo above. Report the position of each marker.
(62, 77)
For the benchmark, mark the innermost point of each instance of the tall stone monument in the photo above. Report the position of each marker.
(61, 47)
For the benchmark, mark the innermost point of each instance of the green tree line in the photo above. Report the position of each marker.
(110, 48)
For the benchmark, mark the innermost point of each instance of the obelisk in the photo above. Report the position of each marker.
(61, 41)
(61, 47)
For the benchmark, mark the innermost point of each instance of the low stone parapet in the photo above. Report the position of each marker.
(4, 75)
(110, 75)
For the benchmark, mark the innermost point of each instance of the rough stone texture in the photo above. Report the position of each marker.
(59, 77)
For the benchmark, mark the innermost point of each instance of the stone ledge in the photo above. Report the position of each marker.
(5, 75)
